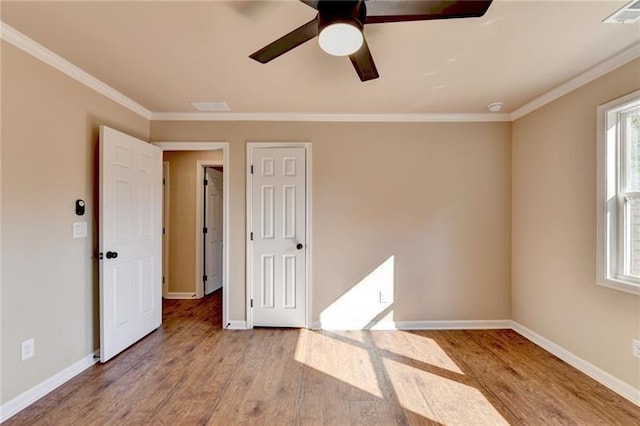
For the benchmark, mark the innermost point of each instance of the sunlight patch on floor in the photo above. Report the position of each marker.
(437, 398)
(348, 363)
(415, 347)
(365, 303)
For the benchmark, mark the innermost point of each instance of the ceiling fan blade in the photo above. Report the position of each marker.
(363, 63)
(284, 44)
(311, 3)
(379, 11)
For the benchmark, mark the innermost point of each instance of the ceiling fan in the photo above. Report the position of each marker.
(339, 26)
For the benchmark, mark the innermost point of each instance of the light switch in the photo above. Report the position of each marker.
(79, 229)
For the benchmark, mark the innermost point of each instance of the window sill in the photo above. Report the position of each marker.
(617, 284)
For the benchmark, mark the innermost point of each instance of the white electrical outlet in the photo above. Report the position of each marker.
(636, 348)
(383, 300)
(28, 349)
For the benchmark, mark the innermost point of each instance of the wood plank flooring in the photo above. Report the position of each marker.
(191, 372)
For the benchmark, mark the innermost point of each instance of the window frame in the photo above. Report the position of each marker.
(612, 195)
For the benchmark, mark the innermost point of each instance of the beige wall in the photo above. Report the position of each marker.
(182, 217)
(436, 196)
(49, 280)
(440, 198)
(554, 231)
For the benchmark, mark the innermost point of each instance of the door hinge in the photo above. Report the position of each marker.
(252, 303)
(162, 280)
(163, 231)
(252, 236)
(205, 230)
(204, 278)
(205, 182)
(252, 169)
(164, 181)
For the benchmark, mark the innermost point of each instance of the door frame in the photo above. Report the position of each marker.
(201, 241)
(213, 146)
(308, 243)
(166, 177)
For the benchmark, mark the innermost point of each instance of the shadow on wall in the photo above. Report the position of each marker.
(367, 305)
(396, 375)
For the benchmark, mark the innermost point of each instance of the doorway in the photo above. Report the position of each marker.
(193, 253)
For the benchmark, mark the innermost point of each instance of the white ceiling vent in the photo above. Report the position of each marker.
(210, 106)
(627, 15)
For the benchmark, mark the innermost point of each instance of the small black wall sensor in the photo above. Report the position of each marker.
(79, 207)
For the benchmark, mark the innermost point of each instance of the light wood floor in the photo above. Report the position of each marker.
(192, 372)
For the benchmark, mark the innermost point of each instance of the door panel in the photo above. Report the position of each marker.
(213, 238)
(131, 226)
(278, 191)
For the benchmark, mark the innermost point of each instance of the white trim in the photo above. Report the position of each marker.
(38, 51)
(226, 236)
(585, 77)
(331, 117)
(200, 237)
(625, 390)
(181, 295)
(191, 146)
(166, 204)
(339, 325)
(416, 325)
(608, 253)
(308, 243)
(618, 386)
(22, 401)
(454, 325)
(236, 325)
(308, 227)
(315, 325)
(28, 45)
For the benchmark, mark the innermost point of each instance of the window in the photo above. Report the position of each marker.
(619, 194)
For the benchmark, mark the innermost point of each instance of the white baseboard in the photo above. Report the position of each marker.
(625, 390)
(339, 325)
(236, 325)
(414, 325)
(22, 401)
(618, 386)
(453, 325)
(177, 295)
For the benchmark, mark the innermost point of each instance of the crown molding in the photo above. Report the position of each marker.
(327, 117)
(30, 46)
(626, 56)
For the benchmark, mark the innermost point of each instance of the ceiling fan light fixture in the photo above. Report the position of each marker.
(340, 39)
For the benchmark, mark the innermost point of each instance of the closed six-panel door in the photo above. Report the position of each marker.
(278, 193)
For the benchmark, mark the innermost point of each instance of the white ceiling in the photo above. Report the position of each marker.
(165, 55)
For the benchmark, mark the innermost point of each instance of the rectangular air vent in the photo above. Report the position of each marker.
(210, 106)
(629, 14)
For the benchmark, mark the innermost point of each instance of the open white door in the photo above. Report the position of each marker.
(130, 241)
(278, 229)
(213, 237)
